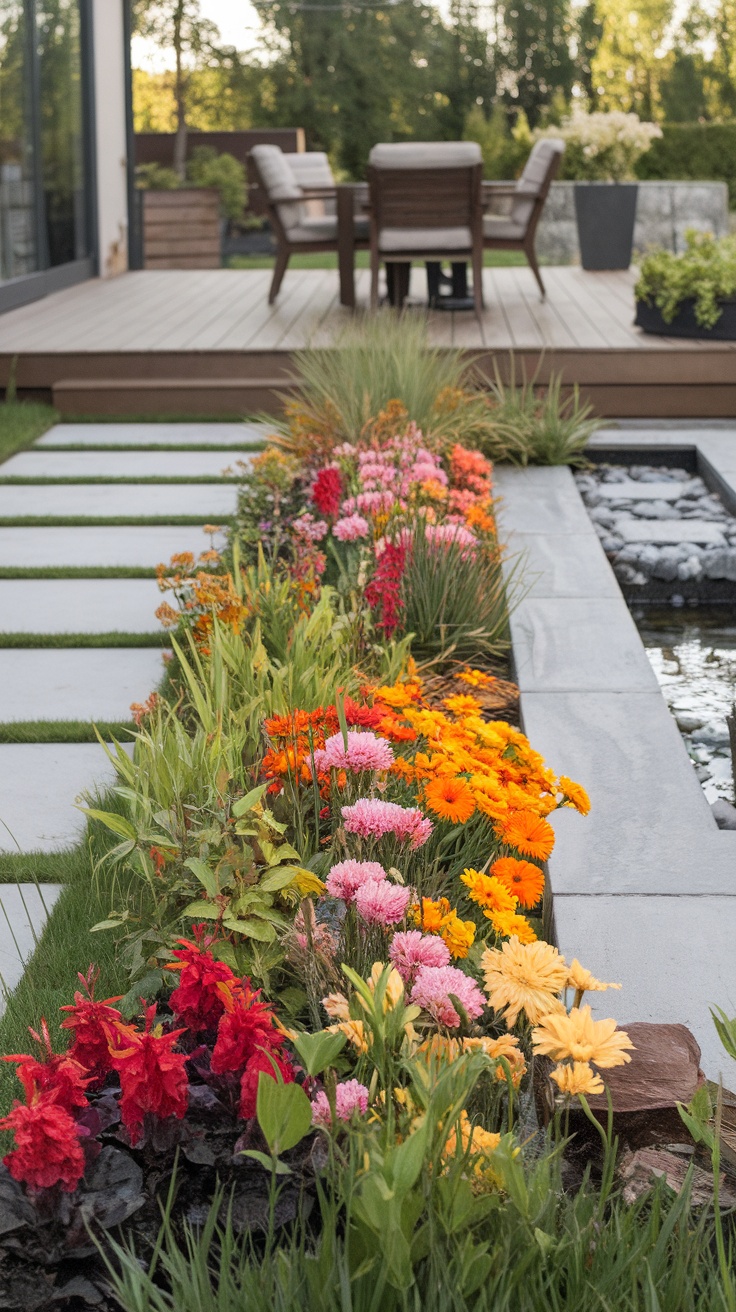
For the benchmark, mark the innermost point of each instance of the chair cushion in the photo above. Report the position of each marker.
(311, 168)
(276, 173)
(325, 229)
(502, 227)
(426, 155)
(437, 240)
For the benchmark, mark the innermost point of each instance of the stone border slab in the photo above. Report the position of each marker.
(40, 784)
(591, 705)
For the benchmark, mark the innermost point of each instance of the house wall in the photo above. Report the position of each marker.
(110, 136)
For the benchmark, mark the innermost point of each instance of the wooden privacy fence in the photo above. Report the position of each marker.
(181, 229)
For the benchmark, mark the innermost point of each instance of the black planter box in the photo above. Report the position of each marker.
(684, 324)
(605, 213)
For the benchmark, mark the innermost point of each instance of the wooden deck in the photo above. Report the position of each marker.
(208, 342)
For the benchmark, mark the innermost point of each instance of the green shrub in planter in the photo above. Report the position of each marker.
(224, 173)
(705, 273)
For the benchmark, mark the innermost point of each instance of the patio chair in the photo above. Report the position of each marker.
(516, 230)
(296, 227)
(425, 203)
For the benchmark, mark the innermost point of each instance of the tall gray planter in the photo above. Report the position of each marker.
(605, 213)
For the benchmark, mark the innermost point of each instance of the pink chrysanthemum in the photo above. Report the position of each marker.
(350, 528)
(380, 903)
(364, 752)
(351, 1096)
(432, 988)
(370, 817)
(450, 535)
(347, 877)
(410, 949)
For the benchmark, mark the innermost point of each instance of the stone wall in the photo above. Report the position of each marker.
(664, 211)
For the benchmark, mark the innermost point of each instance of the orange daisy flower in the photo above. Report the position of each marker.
(528, 833)
(521, 878)
(451, 799)
(574, 794)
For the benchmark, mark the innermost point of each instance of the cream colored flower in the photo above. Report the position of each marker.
(582, 981)
(577, 1077)
(579, 1038)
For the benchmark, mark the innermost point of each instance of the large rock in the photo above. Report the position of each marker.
(664, 1070)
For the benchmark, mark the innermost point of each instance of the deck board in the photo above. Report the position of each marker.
(216, 324)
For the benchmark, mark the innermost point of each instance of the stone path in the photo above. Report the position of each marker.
(40, 781)
(644, 888)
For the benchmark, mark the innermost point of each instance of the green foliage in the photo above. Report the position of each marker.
(387, 358)
(705, 272)
(504, 150)
(205, 168)
(693, 150)
(454, 602)
(534, 425)
(284, 1113)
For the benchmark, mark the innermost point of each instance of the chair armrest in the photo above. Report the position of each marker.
(491, 189)
(318, 193)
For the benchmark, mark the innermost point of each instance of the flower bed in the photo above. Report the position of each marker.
(333, 926)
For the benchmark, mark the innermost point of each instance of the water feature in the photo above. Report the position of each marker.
(693, 655)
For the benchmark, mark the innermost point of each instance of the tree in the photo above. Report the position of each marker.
(630, 63)
(534, 61)
(178, 26)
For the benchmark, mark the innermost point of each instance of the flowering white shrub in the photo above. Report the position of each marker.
(602, 147)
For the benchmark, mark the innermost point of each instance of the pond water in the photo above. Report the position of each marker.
(693, 655)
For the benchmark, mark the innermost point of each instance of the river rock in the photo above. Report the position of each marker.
(688, 720)
(665, 567)
(689, 569)
(638, 1172)
(712, 733)
(724, 813)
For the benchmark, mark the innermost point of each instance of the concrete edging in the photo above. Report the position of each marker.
(644, 888)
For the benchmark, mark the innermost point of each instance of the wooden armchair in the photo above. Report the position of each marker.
(516, 229)
(425, 203)
(299, 225)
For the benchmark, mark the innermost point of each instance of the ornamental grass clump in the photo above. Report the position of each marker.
(534, 424)
(385, 360)
(704, 274)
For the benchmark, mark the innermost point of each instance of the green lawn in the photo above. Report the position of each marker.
(21, 422)
(328, 260)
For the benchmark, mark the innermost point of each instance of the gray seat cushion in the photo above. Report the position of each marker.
(325, 229)
(439, 241)
(426, 155)
(502, 227)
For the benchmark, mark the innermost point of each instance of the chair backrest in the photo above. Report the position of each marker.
(426, 184)
(536, 178)
(277, 178)
(311, 168)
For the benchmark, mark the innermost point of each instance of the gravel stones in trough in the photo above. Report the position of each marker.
(668, 537)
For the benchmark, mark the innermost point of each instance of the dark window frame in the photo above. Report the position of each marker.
(33, 286)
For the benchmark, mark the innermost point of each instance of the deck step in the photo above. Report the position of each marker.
(175, 396)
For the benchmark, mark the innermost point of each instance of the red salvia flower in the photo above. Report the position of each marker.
(383, 593)
(197, 1001)
(247, 1027)
(92, 1024)
(153, 1077)
(261, 1061)
(363, 717)
(47, 1150)
(327, 491)
(55, 1072)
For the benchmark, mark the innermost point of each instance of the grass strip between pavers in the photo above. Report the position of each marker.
(112, 521)
(112, 639)
(76, 572)
(64, 731)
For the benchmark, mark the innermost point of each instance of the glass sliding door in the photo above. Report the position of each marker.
(18, 200)
(45, 185)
